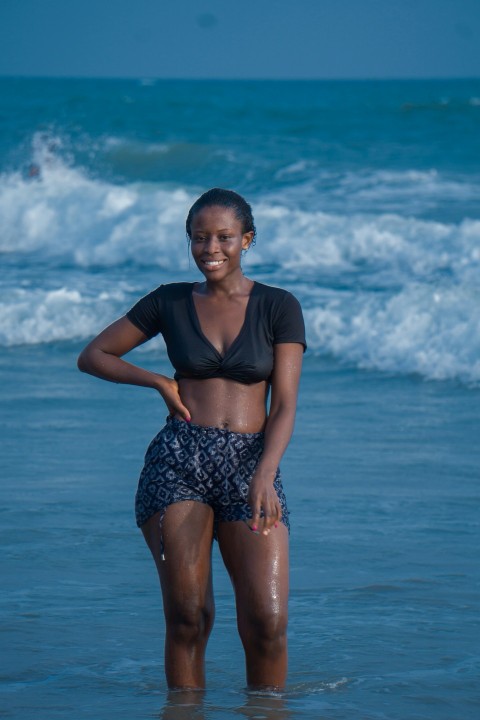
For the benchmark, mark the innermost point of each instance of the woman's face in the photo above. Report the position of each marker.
(217, 241)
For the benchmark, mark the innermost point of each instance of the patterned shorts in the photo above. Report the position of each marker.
(207, 464)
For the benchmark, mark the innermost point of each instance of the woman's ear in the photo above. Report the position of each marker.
(247, 240)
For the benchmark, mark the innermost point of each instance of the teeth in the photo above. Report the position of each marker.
(213, 262)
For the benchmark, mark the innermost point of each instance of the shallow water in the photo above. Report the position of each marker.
(382, 479)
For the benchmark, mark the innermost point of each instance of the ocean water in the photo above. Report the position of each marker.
(365, 198)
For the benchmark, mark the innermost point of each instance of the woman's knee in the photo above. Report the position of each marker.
(190, 622)
(266, 629)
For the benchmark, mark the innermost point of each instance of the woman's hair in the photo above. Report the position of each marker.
(218, 197)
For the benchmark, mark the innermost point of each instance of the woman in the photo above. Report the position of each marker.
(212, 471)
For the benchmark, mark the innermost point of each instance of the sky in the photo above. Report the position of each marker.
(233, 39)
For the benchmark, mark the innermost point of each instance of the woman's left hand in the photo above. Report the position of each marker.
(263, 496)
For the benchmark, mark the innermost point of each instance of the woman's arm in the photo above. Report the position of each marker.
(278, 431)
(102, 358)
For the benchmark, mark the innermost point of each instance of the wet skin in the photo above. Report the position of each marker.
(257, 563)
(220, 303)
(226, 404)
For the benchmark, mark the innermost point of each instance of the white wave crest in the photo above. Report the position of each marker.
(67, 215)
(386, 291)
(434, 332)
(390, 248)
(32, 316)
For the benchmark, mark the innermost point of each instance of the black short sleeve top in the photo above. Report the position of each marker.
(272, 316)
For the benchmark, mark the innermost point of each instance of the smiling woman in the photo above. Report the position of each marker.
(213, 469)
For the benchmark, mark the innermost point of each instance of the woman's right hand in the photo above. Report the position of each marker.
(102, 357)
(169, 390)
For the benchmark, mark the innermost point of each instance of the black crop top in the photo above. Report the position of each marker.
(272, 316)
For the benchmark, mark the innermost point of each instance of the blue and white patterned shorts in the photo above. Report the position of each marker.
(207, 464)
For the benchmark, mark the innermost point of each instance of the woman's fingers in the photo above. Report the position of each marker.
(185, 414)
(266, 513)
(254, 523)
(182, 412)
(174, 403)
(271, 516)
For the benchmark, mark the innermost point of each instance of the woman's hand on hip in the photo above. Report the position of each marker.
(169, 390)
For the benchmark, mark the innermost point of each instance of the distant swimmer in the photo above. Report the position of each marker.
(33, 171)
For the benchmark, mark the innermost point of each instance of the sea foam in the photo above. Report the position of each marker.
(431, 331)
(388, 291)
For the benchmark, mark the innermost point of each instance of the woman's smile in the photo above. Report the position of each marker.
(217, 241)
(213, 264)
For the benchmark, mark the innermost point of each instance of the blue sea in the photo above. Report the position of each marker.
(366, 200)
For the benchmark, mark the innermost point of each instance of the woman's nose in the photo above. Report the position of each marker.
(212, 244)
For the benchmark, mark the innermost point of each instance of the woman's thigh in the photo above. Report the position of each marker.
(259, 568)
(181, 547)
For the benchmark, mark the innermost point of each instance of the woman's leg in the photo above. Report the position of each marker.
(186, 581)
(258, 567)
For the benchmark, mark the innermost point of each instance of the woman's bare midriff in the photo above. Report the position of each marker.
(223, 403)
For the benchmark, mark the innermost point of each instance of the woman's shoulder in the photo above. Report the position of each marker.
(167, 291)
(149, 310)
(283, 314)
(272, 293)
